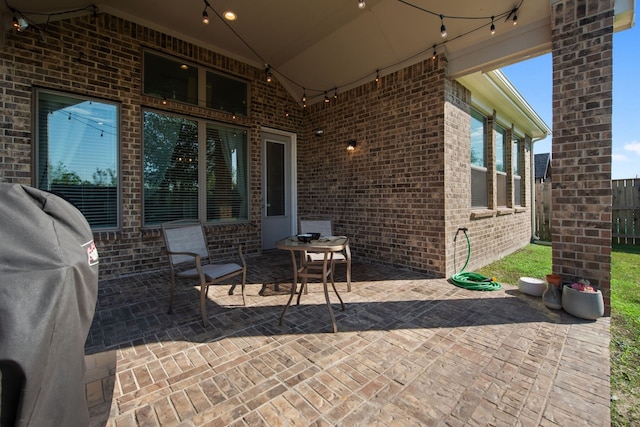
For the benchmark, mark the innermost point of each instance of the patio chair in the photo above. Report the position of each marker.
(189, 258)
(325, 228)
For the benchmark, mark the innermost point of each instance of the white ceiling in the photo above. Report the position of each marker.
(322, 45)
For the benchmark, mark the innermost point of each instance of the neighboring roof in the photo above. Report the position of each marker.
(492, 91)
(541, 164)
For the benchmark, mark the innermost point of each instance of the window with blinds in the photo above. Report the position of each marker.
(501, 165)
(479, 193)
(517, 170)
(77, 154)
(192, 175)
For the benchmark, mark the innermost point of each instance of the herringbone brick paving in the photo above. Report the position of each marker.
(411, 350)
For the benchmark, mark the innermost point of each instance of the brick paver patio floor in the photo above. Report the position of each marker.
(410, 351)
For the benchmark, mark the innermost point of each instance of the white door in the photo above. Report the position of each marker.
(279, 187)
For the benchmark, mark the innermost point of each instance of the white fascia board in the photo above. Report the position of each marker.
(492, 91)
(624, 15)
(499, 51)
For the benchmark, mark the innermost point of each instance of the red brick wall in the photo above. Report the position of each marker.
(400, 196)
(405, 190)
(101, 57)
(581, 147)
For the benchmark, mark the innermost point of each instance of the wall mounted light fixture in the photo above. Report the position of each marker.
(351, 145)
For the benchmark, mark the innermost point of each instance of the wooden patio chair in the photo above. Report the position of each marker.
(325, 228)
(189, 258)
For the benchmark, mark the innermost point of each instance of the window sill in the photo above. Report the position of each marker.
(484, 213)
(489, 213)
(504, 211)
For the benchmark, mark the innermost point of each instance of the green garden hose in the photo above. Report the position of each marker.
(470, 280)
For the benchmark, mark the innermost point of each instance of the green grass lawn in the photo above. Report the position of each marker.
(535, 261)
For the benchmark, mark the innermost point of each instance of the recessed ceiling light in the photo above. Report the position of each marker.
(230, 16)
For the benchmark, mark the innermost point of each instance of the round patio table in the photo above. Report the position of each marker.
(307, 270)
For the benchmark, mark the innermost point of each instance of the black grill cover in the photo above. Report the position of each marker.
(48, 290)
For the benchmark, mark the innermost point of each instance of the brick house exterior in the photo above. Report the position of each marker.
(401, 196)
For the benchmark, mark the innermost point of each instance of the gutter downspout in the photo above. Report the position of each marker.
(534, 237)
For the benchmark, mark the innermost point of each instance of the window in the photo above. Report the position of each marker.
(77, 154)
(226, 94)
(227, 179)
(176, 80)
(170, 79)
(517, 171)
(501, 165)
(193, 175)
(478, 160)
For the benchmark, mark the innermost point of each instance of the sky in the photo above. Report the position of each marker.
(532, 78)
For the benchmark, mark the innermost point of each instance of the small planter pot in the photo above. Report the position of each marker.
(554, 279)
(585, 305)
(552, 297)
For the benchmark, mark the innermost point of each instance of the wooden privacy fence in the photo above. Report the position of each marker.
(625, 211)
(543, 211)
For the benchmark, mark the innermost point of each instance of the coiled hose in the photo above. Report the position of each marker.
(470, 280)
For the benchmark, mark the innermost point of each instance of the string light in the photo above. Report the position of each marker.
(267, 72)
(493, 27)
(443, 29)
(361, 4)
(205, 17)
(326, 98)
(335, 93)
(435, 54)
(377, 76)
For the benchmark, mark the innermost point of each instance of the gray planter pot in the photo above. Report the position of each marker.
(585, 305)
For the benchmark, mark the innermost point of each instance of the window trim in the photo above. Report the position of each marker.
(478, 115)
(36, 90)
(202, 100)
(201, 124)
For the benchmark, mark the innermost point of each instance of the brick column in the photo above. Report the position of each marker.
(582, 44)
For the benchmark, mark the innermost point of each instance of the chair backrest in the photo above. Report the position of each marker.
(181, 236)
(322, 226)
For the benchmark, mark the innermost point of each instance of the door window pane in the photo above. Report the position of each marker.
(77, 154)
(275, 179)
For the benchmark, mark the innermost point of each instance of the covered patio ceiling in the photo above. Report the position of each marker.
(319, 46)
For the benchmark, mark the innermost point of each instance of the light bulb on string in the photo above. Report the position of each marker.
(493, 27)
(205, 17)
(443, 29)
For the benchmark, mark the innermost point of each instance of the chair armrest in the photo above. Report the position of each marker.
(193, 254)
